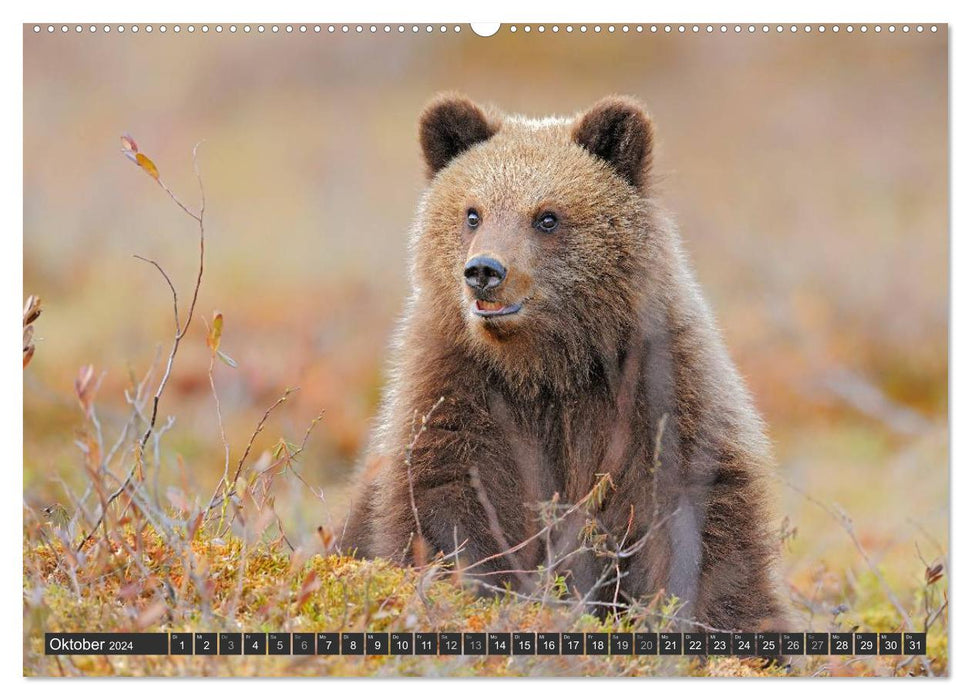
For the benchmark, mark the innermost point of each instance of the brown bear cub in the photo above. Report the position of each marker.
(555, 334)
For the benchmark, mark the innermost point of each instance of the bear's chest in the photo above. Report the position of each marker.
(562, 448)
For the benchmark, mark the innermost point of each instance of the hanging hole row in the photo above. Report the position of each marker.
(443, 29)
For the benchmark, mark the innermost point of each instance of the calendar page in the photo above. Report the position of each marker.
(438, 349)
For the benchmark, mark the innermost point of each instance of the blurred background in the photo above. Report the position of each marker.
(809, 175)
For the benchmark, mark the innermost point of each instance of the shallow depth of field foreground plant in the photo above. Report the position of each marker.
(131, 553)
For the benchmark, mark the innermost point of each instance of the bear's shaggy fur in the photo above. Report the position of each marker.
(612, 365)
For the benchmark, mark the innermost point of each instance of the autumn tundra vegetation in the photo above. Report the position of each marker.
(133, 542)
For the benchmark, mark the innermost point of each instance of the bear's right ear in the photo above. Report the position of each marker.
(450, 125)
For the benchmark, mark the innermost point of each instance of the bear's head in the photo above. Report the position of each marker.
(532, 243)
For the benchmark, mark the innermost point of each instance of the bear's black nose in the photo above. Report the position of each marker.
(482, 273)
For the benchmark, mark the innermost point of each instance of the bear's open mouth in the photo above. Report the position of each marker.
(491, 309)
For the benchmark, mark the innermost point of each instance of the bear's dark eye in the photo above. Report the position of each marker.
(472, 218)
(547, 222)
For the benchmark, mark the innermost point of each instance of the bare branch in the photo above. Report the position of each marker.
(168, 281)
(229, 487)
(179, 335)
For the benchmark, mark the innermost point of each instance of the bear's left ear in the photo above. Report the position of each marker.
(450, 125)
(619, 131)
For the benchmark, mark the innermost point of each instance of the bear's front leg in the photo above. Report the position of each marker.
(739, 587)
(461, 495)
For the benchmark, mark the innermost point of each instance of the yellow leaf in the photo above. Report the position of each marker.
(146, 164)
(215, 332)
